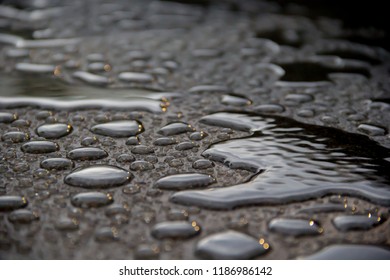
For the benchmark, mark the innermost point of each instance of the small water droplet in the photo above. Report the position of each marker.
(141, 165)
(67, 224)
(165, 141)
(202, 164)
(187, 145)
(198, 135)
(92, 79)
(356, 222)
(230, 245)
(7, 117)
(12, 202)
(16, 136)
(118, 128)
(175, 128)
(22, 216)
(134, 77)
(87, 153)
(295, 227)
(177, 229)
(40, 147)
(99, 176)
(107, 234)
(145, 251)
(269, 109)
(306, 113)
(132, 141)
(57, 164)
(54, 131)
(89, 141)
(371, 130)
(184, 181)
(35, 68)
(142, 150)
(235, 100)
(91, 200)
(208, 88)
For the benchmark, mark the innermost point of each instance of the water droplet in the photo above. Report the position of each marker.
(118, 128)
(296, 98)
(7, 117)
(269, 109)
(144, 252)
(293, 162)
(54, 131)
(351, 252)
(91, 199)
(165, 141)
(357, 222)
(371, 130)
(107, 234)
(125, 158)
(9, 202)
(17, 53)
(198, 135)
(40, 147)
(202, 164)
(21, 123)
(22, 216)
(133, 141)
(134, 77)
(177, 229)
(92, 79)
(15, 136)
(67, 224)
(187, 145)
(184, 181)
(57, 164)
(95, 57)
(306, 113)
(89, 141)
(208, 88)
(99, 67)
(229, 245)
(35, 68)
(142, 150)
(141, 165)
(87, 153)
(235, 100)
(175, 128)
(295, 227)
(98, 176)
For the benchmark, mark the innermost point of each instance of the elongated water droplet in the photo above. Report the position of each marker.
(118, 128)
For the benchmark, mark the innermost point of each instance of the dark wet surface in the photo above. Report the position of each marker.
(151, 130)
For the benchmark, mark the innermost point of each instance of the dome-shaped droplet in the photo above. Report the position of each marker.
(184, 181)
(11, 202)
(54, 131)
(87, 153)
(57, 163)
(176, 229)
(99, 176)
(175, 128)
(118, 128)
(15, 136)
(40, 147)
(230, 245)
(91, 200)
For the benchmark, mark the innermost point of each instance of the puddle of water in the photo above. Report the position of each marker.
(292, 162)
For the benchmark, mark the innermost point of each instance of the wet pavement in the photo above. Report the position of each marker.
(174, 130)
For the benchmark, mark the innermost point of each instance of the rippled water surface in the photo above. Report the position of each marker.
(152, 130)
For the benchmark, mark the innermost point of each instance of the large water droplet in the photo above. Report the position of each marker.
(351, 252)
(357, 222)
(91, 200)
(176, 229)
(295, 227)
(230, 245)
(118, 128)
(40, 147)
(9, 202)
(54, 131)
(87, 153)
(184, 181)
(99, 176)
(176, 128)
